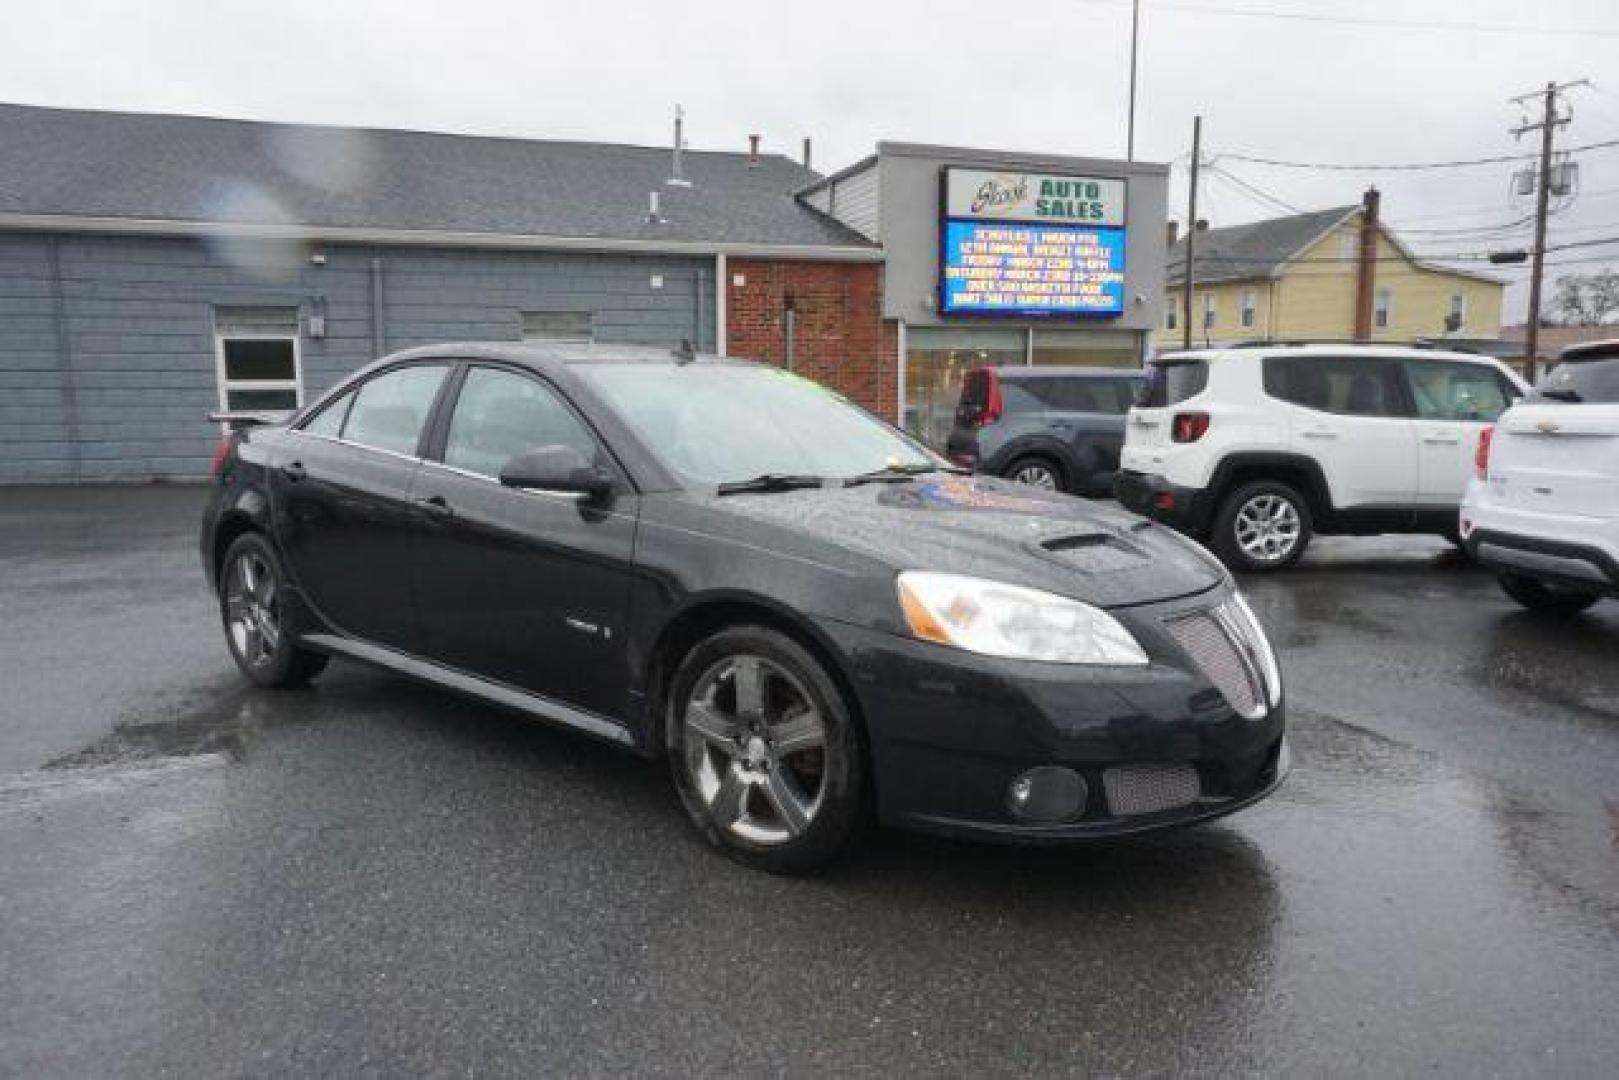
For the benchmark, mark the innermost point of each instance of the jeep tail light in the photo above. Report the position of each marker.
(1481, 457)
(1189, 426)
(221, 454)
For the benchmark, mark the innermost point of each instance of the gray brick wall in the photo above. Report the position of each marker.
(136, 317)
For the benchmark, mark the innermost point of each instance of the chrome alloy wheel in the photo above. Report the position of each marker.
(1268, 528)
(755, 749)
(252, 609)
(1039, 476)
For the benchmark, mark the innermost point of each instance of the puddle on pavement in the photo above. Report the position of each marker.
(223, 725)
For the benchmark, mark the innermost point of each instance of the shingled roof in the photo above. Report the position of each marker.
(193, 170)
(1257, 250)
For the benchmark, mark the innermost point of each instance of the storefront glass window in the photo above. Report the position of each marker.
(1088, 348)
(936, 361)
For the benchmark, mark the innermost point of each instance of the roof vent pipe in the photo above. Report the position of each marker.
(753, 151)
(676, 177)
(807, 164)
(653, 217)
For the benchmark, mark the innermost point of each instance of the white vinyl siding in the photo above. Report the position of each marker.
(853, 200)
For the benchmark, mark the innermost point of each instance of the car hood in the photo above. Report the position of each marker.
(991, 528)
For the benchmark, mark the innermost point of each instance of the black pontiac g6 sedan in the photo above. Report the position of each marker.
(815, 618)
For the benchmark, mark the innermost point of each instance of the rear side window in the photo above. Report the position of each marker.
(1336, 384)
(390, 411)
(1170, 382)
(1450, 391)
(1595, 380)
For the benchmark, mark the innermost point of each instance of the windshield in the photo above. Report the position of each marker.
(724, 423)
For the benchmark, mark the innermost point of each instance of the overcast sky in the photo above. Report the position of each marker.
(1044, 75)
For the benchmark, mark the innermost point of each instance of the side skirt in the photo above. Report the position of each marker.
(537, 706)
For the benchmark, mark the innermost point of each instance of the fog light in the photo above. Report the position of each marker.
(1046, 794)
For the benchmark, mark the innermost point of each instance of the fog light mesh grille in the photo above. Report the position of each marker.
(1209, 641)
(1149, 789)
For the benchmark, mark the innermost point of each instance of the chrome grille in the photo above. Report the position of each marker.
(1149, 789)
(1218, 641)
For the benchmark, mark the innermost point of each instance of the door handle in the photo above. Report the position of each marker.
(1440, 440)
(294, 471)
(436, 507)
(1320, 434)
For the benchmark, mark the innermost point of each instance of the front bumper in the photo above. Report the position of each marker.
(1185, 509)
(951, 732)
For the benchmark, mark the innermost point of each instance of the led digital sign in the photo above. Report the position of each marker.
(1031, 244)
(996, 268)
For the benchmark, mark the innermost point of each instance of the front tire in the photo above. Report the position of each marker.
(1545, 599)
(1264, 525)
(764, 751)
(252, 588)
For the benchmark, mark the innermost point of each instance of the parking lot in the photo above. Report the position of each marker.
(374, 877)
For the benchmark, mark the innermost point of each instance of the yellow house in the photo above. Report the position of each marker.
(1295, 278)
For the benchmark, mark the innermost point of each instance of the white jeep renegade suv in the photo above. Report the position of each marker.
(1255, 448)
(1544, 509)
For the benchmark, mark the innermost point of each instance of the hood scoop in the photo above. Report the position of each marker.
(1091, 552)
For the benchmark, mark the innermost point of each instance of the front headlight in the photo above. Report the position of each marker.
(1009, 620)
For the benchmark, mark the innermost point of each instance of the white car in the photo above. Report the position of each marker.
(1254, 449)
(1543, 511)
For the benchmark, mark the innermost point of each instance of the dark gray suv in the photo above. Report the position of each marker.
(1058, 428)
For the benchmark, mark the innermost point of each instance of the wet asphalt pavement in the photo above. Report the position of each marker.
(372, 877)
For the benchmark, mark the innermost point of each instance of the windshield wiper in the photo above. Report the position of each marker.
(771, 482)
(899, 472)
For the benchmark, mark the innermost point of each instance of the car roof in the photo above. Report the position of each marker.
(1024, 371)
(1326, 349)
(1591, 350)
(543, 355)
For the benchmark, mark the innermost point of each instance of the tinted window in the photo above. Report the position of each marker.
(1447, 391)
(1336, 384)
(390, 410)
(329, 421)
(259, 360)
(1170, 382)
(501, 415)
(1582, 380)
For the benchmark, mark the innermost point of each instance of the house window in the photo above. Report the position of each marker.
(1250, 307)
(1208, 311)
(1458, 312)
(1171, 311)
(1382, 305)
(257, 359)
(571, 327)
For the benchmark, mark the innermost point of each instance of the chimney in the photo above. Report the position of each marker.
(807, 164)
(753, 151)
(676, 177)
(1366, 264)
(1172, 233)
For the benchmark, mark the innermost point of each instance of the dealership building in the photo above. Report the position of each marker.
(156, 268)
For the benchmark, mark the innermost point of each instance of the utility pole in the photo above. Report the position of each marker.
(1549, 122)
(1135, 35)
(1191, 233)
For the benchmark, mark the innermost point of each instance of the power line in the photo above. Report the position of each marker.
(1406, 165)
(1254, 191)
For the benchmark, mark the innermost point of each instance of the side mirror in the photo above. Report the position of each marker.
(560, 469)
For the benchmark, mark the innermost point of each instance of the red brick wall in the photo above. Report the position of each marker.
(840, 338)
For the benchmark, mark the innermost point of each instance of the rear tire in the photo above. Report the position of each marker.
(1264, 525)
(252, 586)
(764, 751)
(1545, 599)
(1039, 472)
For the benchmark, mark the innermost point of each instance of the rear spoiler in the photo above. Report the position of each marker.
(243, 419)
